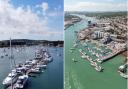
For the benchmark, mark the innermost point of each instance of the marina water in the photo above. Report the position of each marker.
(51, 78)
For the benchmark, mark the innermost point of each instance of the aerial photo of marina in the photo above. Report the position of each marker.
(31, 44)
(96, 44)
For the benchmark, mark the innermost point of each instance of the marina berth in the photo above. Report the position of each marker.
(99, 47)
(21, 82)
(114, 53)
(19, 75)
(10, 79)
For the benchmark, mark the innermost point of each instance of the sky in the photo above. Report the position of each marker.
(95, 5)
(31, 19)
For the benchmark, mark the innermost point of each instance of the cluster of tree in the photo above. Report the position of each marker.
(105, 14)
(68, 16)
(99, 14)
(6, 43)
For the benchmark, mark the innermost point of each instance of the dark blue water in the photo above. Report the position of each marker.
(51, 78)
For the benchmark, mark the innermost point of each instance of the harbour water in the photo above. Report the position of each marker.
(80, 74)
(51, 78)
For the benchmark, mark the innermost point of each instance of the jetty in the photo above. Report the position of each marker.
(92, 62)
(35, 65)
(114, 53)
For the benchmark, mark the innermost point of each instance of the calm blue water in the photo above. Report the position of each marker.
(52, 78)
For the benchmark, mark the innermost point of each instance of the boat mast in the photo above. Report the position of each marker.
(11, 61)
(25, 46)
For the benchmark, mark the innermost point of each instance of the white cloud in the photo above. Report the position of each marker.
(96, 6)
(20, 21)
(44, 6)
(17, 19)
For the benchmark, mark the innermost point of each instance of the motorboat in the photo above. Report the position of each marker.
(28, 65)
(40, 63)
(90, 59)
(28, 62)
(93, 53)
(41, 66)
(21, 70)
(34, 62)
(74, 60)
(98, 68)
(46, 55)
(50, 59)
(21, 82)
(75, 45)
(98, 60)
(93, 63)
(35, 70)
(80, 50)
(98, 55)
(10, 79)
(124, 75)
(85, 45)
(83, 56)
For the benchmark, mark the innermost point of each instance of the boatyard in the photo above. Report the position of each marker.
(90, 61)
(31, 68)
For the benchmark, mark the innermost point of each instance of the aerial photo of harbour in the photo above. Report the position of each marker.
(96, 45)
(31, 44)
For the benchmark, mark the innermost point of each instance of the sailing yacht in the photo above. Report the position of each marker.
(12, 77)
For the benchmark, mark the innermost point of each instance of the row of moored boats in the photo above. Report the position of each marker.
(92, 62)
(19, 75)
